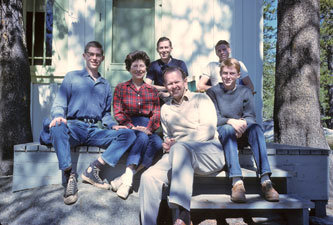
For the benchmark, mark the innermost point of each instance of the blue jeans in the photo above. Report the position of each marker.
(145, 146)
(78, 132)
(254, 136)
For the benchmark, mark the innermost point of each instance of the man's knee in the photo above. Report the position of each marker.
(255, 128)
(141, 137)
(225, 131)
(58, 130)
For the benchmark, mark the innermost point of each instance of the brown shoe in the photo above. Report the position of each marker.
(180, 222)
(270, 194)
(238, 193)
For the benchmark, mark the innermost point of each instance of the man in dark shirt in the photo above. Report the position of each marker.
(84, 98)
(155, 72)
(236, 124)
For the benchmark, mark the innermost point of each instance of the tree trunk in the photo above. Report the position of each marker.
(15, 126)
(296, 106)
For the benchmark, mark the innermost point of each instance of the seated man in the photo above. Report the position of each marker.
(211, 73)
(84, 98)
(236, 123)
(155, 72)
(191, 146)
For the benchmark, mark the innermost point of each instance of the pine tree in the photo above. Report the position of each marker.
(15, 127)
(296, 106)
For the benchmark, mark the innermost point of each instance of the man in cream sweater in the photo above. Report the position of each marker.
(191, 147)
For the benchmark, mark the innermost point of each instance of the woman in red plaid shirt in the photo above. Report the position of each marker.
(136, 105)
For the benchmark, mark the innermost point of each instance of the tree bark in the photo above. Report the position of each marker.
(15, 126)
(296, 106)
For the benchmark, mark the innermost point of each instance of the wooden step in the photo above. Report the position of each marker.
(295, 209)
(251, 172)
(254, 201)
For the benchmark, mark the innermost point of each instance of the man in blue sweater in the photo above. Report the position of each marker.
(236, 124)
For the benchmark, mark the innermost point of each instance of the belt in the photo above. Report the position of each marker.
(88, 120)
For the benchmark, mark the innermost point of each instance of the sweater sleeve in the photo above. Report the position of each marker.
(220, 119)
(248, 107)
(164, 123)
(207, 116)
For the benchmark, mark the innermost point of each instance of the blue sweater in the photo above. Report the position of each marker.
(235, 104)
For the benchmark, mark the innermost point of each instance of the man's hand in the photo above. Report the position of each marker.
(57, 121)
(239, 125)
(143, 129)
(117, 127)
(163, 94)
(168, 142)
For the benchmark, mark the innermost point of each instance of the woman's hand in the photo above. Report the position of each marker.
(143, 129)
(117, 127)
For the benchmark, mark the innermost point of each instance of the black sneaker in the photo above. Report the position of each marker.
(70, 195)
(91, 176)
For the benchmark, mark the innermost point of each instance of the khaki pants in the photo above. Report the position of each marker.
(185, 159)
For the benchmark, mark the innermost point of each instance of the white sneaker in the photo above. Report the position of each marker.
(123, 191)
(116, 183)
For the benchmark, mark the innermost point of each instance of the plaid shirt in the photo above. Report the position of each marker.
(128, 102)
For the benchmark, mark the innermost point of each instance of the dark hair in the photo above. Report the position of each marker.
(163, 39)
(171, 69)
(222, 42)
(230, 62)
(133, 56)
(95, 44)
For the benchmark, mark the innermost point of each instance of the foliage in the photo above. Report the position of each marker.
(326, 53)
(269, 57)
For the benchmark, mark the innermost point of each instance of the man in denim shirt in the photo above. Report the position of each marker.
(84, 98)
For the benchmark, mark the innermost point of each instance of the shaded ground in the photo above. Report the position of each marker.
(45, 206)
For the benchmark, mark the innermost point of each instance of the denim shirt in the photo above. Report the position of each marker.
(81, 97)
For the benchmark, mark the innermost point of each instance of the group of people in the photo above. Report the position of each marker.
(201, 131)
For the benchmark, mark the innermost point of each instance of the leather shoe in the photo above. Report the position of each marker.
(179, 222)
(238, 193)
(270, 194)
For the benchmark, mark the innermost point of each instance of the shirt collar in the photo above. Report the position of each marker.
(99, 79)
(165, 64)
(186, 97)
(144, 85)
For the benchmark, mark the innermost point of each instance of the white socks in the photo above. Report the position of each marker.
(127, 177)
(264, 178)
(236, 180)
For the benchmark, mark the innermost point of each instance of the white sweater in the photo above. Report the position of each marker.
(193, 120)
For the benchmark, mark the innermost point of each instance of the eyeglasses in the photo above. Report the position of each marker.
(91, 54)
